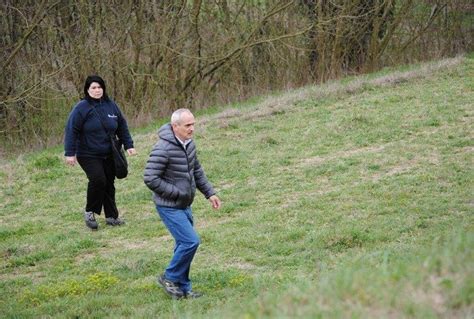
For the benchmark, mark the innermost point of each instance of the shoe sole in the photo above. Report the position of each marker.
(92, 228)
(114, 223)
(192, 297)
(169, 293)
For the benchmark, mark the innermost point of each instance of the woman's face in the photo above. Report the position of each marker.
(95, 90)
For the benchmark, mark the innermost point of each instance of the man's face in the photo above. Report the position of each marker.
(184, 128)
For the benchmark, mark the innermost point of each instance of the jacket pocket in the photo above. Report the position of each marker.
(185, 193)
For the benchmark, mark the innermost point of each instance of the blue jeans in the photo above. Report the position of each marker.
(180, 224)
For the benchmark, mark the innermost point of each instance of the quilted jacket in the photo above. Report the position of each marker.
(173, 173)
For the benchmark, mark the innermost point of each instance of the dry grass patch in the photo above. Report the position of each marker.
(287, 100)
(203, 223)
(340, 155)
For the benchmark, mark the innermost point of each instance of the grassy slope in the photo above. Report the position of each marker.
(353, 199)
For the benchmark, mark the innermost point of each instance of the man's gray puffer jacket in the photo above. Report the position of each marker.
(173, 173)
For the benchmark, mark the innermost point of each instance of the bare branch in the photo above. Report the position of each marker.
(37, 20)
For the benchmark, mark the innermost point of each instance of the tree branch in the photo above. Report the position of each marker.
(40, 16)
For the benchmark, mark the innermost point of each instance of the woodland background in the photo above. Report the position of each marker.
(159, 55)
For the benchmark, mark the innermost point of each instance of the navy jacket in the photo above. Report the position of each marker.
(173, 173)
(85, 135)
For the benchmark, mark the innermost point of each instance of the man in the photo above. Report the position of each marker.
(173, 173)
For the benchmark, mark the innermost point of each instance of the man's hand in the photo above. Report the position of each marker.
(71, 160)
(215, 202)
(131, 151)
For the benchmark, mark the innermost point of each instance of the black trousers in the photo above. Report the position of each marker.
(100, 189)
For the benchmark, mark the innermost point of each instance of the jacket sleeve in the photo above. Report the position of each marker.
(72, 132)
(154, 171)
(201, 180)
(122, 130)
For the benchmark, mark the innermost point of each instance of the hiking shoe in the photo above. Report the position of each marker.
(192, 294)
(114, 221)
(90, 220)
(170, 288)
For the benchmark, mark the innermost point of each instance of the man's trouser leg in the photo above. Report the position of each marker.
(180, 224)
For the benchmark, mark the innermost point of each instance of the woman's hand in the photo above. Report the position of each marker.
(71, 160)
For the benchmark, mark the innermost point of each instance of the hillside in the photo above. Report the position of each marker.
(350, 199)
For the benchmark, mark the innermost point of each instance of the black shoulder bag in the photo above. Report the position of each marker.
(118, 154)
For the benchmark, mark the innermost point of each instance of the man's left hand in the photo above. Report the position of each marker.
(215, 202)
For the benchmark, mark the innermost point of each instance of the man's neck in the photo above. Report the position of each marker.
(184, 143)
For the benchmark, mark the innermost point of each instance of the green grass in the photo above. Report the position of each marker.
(347, 200)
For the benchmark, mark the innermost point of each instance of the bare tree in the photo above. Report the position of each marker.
(161, 54)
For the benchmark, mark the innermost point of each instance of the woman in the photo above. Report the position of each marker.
(87, 142)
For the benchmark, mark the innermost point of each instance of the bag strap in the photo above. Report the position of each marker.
(101, 122)
(111, 136)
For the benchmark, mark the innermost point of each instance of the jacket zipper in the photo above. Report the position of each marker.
(187, 163)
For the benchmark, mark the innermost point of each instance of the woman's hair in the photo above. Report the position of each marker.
(94, 78)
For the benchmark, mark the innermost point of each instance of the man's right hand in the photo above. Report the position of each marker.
(71, 160)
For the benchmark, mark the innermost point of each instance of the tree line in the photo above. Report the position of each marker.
(162, 54)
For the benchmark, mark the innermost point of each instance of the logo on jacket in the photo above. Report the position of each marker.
(112, 116)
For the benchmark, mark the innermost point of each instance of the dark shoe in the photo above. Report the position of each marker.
(192, 294)
(114, 221)
(90, 220)
(170, 288)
